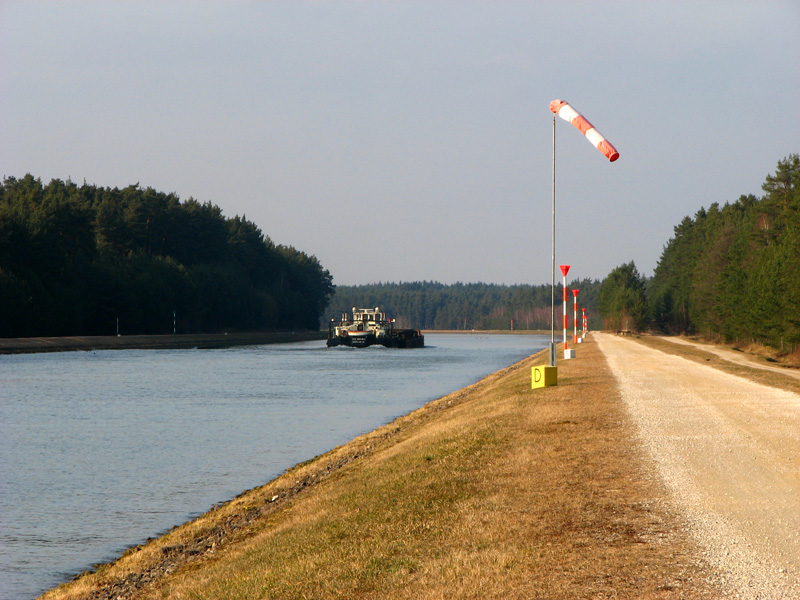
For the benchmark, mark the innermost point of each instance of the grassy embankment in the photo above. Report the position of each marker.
(495, 491)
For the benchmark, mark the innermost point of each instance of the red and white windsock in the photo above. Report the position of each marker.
(566, 112)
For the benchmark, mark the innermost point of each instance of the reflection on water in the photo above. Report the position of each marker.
(100, 450)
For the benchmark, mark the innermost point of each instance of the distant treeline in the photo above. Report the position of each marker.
(74, 259)
(465, 306)
(730, 273)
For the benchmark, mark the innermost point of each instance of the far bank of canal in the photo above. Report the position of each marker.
(153, 342)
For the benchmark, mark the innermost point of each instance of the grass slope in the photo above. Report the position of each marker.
(495, 491)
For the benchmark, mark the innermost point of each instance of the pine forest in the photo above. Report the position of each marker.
(732, 272)
(87, 260)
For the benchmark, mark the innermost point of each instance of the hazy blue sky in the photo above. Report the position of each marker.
(402, 141)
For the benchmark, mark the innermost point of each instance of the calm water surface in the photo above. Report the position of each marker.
(101, 450)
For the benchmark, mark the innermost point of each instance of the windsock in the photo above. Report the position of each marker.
(566, 112)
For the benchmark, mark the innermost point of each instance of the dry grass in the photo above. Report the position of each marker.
(496, 491)
(698, 354)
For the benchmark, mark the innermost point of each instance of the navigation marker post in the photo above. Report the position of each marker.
(575, 316)
(564, 271)
(568, 353)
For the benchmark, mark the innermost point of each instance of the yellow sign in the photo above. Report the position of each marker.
(543, 376)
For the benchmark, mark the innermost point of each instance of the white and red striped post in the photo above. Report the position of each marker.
(584, 321)
(575, 316)
(564, 271)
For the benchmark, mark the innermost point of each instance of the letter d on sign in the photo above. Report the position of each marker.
(543, 376)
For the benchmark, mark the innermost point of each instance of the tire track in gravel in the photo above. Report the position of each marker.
(729, 451)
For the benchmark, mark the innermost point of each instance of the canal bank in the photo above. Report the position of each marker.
(492, 491)
(153, 342)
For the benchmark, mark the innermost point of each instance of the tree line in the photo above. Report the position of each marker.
(730, 272)
(74, 259)
(77, 260)
(465, 306)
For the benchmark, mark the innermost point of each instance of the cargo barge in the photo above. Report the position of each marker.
(370, 326)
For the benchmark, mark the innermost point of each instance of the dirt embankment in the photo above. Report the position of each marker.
(152, 342)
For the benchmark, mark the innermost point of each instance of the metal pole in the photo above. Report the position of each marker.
(553, 261)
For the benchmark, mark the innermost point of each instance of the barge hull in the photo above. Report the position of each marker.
(403, 338)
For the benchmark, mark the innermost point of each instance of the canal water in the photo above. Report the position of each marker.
(101, 450)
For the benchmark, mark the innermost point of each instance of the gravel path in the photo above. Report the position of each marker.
(729, 451)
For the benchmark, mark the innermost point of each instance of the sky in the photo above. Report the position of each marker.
(412, 140)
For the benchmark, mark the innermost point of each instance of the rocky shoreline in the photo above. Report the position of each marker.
(153, 342)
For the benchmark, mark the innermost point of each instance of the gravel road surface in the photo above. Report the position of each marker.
(729, 451)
